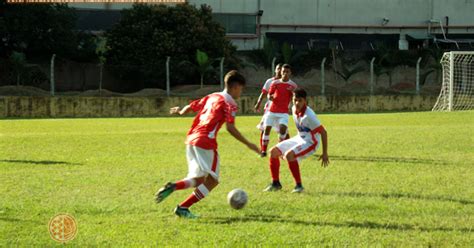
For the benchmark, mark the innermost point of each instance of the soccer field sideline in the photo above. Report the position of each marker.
(402, 179)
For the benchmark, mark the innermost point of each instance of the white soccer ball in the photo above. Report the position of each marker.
(237, 198)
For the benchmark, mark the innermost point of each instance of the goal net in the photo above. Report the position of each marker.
(457, 90)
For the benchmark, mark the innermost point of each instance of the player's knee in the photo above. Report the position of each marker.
(290, 156)
(200, 180)
(274, 152)
(283, 129)
(211, 182)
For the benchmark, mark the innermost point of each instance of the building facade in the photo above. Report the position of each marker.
(356, 24)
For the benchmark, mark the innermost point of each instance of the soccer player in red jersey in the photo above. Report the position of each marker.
(310, 133)
(266, 108)
(201, 147)
(280, 94)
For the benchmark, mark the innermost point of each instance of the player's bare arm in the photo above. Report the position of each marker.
(324, 157)
(259, 101)
(180, 111)
(236, 133)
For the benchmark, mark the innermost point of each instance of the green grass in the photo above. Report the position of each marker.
(395, 179)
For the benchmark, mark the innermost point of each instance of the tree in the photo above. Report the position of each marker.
(147, 34)
(204, 64)
(37, 29)
(18, 60)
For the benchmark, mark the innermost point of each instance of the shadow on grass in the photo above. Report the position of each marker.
(43, 162)
(399, 195)
(389, 160)
(9, 219)
(346, 224)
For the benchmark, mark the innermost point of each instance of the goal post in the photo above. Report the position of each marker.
(457, 88)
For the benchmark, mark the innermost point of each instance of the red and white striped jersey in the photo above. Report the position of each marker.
(213, 111)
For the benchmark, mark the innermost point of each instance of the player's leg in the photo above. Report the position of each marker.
(283, 133)
(200, 192)
(265, 141)
(295, 171)
(275, 154)
(194, 178)
(300, 151)
(208, 161)
(283, 130)
(274, 170)
(170, 187)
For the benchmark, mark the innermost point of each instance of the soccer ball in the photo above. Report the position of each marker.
(237, 198)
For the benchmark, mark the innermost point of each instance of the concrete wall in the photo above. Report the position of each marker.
(56, 107)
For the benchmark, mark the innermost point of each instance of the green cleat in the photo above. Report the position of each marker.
(184, 213)
(273, 187)
(164, 192)
(297, 189)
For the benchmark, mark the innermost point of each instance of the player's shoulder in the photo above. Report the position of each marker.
(224, 97)
(291, 82)
(310, 111)
(310, 114)
(270, 80)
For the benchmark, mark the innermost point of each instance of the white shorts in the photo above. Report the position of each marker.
(261, 125)
(299, 146)
(272, 119)
(202, 162)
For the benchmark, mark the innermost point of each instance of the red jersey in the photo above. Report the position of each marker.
(213, 110)
(282, 93)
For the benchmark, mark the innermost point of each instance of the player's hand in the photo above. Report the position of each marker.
(253, 147)
(325, 159)
(175, 110)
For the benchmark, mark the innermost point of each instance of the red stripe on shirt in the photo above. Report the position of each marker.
(214, 161)
(307, 150)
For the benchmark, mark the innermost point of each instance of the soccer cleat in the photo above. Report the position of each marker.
(273, 187)
(184, 213)
(263, 154)
(297, 189)
(164, 192)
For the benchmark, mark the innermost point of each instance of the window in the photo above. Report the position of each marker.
(237, 23)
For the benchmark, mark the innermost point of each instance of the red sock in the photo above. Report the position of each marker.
(199, 193)
(275, 168)
(295, 170)
(185, 183)
(189, 201)
(265, 141)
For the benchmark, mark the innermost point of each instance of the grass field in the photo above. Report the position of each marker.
(396, 179)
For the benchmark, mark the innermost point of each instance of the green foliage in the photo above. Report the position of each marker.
(379, 191)
(18, 61)
(38, 29)
(286, 52)
(387, 59)
(147, 34)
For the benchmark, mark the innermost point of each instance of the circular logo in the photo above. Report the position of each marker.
(62, 228)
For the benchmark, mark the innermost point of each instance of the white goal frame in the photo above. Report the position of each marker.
(457, 89)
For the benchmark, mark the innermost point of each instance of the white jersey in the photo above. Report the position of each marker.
(308, 125)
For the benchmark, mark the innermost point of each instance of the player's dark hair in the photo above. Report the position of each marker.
(300, 93)
(287, 66)
(233, 78)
